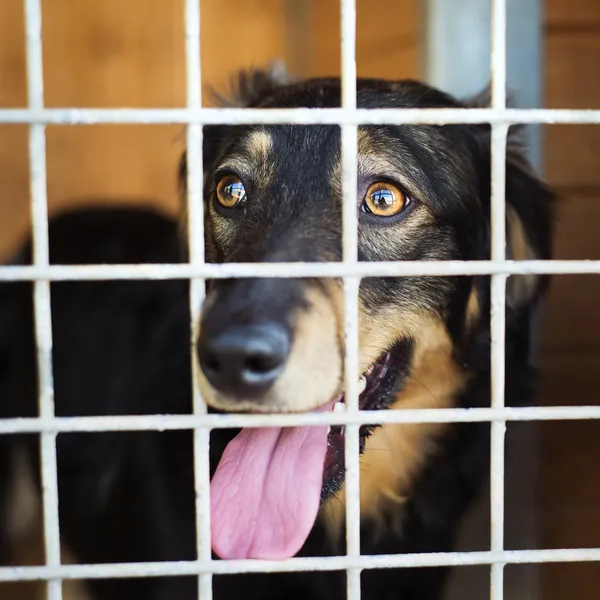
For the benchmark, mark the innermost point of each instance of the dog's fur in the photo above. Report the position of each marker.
(123, 347)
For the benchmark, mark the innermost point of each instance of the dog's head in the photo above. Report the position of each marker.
(273, 194)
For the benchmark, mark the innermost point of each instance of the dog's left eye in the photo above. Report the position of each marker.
(384, 200)
(230, 191)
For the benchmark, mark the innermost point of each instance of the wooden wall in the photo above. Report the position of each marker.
(569, 483)
(100, 53)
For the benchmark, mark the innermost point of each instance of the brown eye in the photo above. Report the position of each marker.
(384, 200)
(230, 191)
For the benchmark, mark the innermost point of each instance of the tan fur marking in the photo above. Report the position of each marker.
(259, 145)
(519, 288)
(30, 552)
(395, 453)
(23, 503)
(473, 309)
(222, 228)
(255, 160)
(24, 520)
(371, 162)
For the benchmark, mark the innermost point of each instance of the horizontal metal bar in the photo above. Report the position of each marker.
(297, 269)
(321, 563)
(227, 421)
(297, 116)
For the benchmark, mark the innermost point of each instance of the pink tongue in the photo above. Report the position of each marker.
(266, 491)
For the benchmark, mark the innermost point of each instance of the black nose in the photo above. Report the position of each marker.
(245, 360)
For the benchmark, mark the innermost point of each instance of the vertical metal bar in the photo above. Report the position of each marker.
(195, 219)
(497, 462)
(460, 64)
(351, 286)
(41, 292)
(498, 297)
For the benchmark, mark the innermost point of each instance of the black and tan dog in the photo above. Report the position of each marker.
(272, 194)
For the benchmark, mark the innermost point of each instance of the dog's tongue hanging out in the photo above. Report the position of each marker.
(266, 491)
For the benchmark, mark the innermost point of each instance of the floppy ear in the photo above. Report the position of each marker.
(529, 210)
(529, 222)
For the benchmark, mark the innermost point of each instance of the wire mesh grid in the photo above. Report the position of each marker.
(348, 117)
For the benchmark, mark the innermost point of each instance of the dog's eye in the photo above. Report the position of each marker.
(384, 200)
(230, 191)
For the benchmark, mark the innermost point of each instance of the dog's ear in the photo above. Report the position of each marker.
(529, 208)
(529, 221)
(484, 99)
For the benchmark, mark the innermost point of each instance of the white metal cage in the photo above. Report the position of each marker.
(348, 117)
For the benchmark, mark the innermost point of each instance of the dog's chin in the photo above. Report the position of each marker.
(381, 382)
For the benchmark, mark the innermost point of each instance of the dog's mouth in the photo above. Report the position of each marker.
(270, 482)
(373, 385)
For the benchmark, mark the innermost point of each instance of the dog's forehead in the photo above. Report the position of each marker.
(277, 146)
(307, 141)
(296, 152)
(433, 164)
(430, 164)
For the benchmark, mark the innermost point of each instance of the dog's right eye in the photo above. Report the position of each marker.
(230, 191)
(384, 200)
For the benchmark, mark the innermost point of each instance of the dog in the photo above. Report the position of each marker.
(273, 194)
(103, 336)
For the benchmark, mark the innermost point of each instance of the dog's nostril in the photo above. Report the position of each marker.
(244, 361)
(261, 363)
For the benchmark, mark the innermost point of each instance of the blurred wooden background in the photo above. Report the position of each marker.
(110, 53)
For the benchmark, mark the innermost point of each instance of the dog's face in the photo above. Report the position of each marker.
(273, 194)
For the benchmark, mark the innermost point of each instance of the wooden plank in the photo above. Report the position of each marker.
(239, 33)
(572, 152)
(574, 11)
(387, 38)
(387, 44)
(569, 376)
(578, 215)
(571, 321)
(572, 70)
(569, 490)
(570, 496)
(99, 53)
(572, 155)
(14, 174)
(14, 185)
(562, 581)
(13, 88)
(102, 54)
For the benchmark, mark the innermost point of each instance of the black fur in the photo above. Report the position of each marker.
(123, 348)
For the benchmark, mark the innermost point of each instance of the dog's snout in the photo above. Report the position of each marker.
(245, 360)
